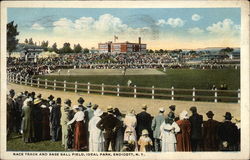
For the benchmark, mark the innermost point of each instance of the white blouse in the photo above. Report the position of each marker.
(79, 116)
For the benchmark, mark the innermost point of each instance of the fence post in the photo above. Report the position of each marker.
(16, 79)
(88, 87)
(238, 95)
(134, 91)
(54, 84)
(102, 89)
(193, 94)
(118, 90)
(172, 93)
(31, 81)
(153, 92)
(64, 86)
(38, 82)
(26, 79)
(20, 80)
(215, 95)
(46, 83)
(75, 86)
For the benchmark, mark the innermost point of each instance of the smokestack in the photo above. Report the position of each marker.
(139, 44)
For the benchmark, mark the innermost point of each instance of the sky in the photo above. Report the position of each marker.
(159, 28)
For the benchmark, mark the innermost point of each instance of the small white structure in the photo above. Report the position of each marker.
(129, 83)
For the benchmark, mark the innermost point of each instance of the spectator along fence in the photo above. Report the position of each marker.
(132, 91)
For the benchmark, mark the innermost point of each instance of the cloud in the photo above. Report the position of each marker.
(195, 30)
(226, 27)
(173, 22)
(196, 17)
(161, 22)
(106, 24)
(37, 26)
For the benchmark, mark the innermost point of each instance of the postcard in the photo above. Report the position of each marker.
(125, 79)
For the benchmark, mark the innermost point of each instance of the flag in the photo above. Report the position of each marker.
(115, 37)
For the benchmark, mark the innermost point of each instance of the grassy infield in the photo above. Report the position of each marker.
(181, 78)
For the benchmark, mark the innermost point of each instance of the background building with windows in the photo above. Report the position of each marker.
(122, 47)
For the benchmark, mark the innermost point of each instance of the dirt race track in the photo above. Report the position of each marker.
(127, 103)
(74, 72)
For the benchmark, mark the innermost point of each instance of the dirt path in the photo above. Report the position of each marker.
(127, 103)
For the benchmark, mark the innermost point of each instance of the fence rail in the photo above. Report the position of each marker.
(132, 91)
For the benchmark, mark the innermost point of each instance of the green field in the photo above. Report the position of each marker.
(179, 78)
(16, 144)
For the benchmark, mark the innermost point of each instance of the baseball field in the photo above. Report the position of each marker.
(180, 78)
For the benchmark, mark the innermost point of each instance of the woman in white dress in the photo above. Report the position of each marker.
(96, 138)
(168, 130)
(130, 123)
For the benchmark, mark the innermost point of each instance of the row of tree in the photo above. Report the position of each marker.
(65, 49)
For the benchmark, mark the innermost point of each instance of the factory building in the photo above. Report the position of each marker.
(110, 47)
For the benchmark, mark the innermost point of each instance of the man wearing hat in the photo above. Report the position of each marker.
(64, 120)
(228, 133)
(156, 123)
(109, 125)
(37, 117)
(172, 110)
(55, 117)
(196, 121)
(144, 121)
(89, 111)
(67, 131)
(19, 105)
(210, 138)
(11, 111)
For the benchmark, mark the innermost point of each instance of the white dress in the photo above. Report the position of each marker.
(168, 132)
(96, 138)
(130, 123)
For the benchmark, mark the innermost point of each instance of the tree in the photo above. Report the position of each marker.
(161, 50)
(31, 41)
(226, 50)
(26, 41)
(150, 51)
(77, 48)
(45, 45)
(54, 48)
(11, 37)
(66, 48)
(85, 50)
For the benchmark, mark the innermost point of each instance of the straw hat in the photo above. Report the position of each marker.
(144, 132)
(184, 115)
(109, 109)
(75, 107)
(161, 109)
(144, 106)
(98, 112)
(36, 101)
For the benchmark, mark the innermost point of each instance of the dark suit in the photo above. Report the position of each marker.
(196, 121)
(109, 124)
(144, 121)
(228, 131)
(37, 117)
(210, 137)
(55, 117)
(11, 114)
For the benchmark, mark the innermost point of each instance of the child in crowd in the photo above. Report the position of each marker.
(145, 142)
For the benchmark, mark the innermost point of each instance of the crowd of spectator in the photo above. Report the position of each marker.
(40, 66)
(85, 127)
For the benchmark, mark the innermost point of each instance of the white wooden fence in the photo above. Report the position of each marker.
(131, 90)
